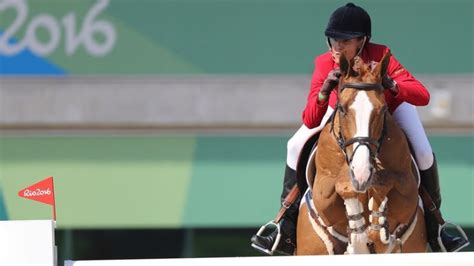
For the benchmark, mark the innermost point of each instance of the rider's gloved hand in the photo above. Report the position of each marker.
(329, 84)
(389, 84)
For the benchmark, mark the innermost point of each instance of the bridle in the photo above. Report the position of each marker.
(362, 141)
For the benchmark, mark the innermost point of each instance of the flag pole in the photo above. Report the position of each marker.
(54, 200)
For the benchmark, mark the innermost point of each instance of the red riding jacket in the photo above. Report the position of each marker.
(410, 89)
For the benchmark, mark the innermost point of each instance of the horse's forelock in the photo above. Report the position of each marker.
(361, 72)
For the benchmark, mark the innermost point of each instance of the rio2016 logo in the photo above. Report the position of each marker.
(91, 26)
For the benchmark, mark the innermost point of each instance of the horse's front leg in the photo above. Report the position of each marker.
(354, 202)
(379, 232)
(393, 216)
(386, 213)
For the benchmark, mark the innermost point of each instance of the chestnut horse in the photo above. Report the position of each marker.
(364, 198)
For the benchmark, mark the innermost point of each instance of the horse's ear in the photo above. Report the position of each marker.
(345, 65)
(381, 68)
(360, 66)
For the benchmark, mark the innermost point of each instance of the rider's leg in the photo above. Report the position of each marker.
(287, 242)
(407, 117)
(288, 223)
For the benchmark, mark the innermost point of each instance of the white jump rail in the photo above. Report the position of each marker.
(425, 259)
(27, 243)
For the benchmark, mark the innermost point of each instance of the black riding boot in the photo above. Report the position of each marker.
(287, 242)
(430, 180)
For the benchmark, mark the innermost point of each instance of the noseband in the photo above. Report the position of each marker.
(366, 141)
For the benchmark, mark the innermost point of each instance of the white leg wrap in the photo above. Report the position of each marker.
(358, 243)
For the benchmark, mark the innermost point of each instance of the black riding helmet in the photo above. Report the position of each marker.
(347, 22)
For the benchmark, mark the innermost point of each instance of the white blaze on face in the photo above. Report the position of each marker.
(361, 164)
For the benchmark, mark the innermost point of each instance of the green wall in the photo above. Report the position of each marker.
(171, 181)
(247, 36)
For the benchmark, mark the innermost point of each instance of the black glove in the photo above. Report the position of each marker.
(331, 82)
(389, 84)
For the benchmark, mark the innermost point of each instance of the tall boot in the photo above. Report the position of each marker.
(287, 224)
(430, 181)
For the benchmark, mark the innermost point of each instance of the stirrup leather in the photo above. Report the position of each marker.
(460, 231)
(277, 240)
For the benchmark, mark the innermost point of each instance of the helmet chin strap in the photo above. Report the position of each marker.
(328, 43)
(362, 47)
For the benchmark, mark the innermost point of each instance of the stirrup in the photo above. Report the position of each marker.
(460, 231)
(277, 240)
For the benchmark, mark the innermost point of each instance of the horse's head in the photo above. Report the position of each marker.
(360, 113)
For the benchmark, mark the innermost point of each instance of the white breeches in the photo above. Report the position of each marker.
(296, 143)
(405, 116)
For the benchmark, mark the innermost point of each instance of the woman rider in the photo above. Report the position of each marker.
(349, 31)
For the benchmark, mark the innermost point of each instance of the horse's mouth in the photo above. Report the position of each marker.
(361, 187)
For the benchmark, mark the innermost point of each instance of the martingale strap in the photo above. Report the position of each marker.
(399, 232)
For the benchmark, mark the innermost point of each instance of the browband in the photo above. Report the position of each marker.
(363, 86)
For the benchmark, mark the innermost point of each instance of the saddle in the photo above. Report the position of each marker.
(305, 167)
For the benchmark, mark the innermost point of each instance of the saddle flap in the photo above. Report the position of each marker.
(305, 158)
(311, 168)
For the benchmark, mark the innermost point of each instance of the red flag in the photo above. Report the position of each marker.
(42, 191)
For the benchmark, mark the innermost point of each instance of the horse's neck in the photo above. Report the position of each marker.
(394, 152)
(330, 166)
(396, 163)
(329, 154)
(394, 156)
